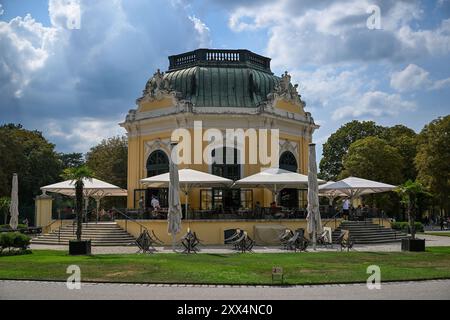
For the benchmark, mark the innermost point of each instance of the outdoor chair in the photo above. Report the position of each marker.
(345, 240)
(147, 240)
(285, 236)
(241, 241)
(297, 241)
(325, 238)
(190, 241)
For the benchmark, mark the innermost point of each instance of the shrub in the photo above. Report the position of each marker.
(404, 226)
(21, 241)
(14, 240)
(6, 240)
(8, 227)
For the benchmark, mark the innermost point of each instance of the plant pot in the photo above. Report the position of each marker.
(79, 247)
(417, 245)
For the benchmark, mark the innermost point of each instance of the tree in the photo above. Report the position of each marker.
(5, 202)
(31, 156)
(433, 160)
(109, 160)
(77, 175)
(339, 142)
(71, 160)
(372, 158)
(410, 193)
(405, 140)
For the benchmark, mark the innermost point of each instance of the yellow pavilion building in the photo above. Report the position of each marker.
(220, 89)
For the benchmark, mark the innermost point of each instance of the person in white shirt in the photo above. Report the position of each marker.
(345, 208)
(155, 203)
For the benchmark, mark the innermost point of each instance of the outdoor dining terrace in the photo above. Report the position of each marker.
(262, 213)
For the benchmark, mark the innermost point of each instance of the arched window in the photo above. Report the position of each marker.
(288, 161)
(157, 163)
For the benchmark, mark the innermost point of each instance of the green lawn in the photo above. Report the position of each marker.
(442, 233)
(299, 268)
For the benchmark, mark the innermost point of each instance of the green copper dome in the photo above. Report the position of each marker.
(221, 78)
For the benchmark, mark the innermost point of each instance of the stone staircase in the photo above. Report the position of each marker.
(366, 232)
(101, 234)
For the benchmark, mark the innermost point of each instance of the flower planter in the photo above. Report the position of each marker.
(416, 245)
(79, 247)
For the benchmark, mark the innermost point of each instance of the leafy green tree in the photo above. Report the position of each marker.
(31, 156)
(5, 202)
(78, 175)
(433, 160)
(410, 193)
(405, 140)
(339, 142)
(109, 160)
(373, 158)
(71, 160)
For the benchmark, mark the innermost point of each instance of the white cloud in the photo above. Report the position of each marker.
(65, 13)
(414, 78)
(93, 72)
(203, 32)
(374, 104)
(82, 133)
(26, 46)
(2, 11)
(321, 32)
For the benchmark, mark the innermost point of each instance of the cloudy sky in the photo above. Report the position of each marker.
(75, 79)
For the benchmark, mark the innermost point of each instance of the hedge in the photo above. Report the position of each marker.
(14, 240)
(404, 226)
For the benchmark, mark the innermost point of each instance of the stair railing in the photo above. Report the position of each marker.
(127, 217)
(332, 218)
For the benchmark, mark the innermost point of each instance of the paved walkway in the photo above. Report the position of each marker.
(436, 289)
(431, 241)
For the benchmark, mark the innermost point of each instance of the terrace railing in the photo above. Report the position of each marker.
(215, 56)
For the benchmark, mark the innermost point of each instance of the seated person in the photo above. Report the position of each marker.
(155, 204)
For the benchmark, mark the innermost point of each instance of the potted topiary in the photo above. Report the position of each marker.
(78, 246)
(409, 193)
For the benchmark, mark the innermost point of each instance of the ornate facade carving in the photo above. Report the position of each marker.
(157, 88)
(285, 90)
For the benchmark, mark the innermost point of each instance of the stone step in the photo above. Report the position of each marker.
(103, 234)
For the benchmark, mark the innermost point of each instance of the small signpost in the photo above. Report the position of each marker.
(277, 274)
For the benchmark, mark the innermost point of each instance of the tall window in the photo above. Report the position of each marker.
(157, 163)
(288, 197)
(226, 164)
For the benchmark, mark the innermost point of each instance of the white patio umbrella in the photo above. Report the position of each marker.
(354, 187)
(188, 178)
(314, 224)
(14, 207)
(174, 213)
(275, 179)
(330, 194)
(95, 188)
